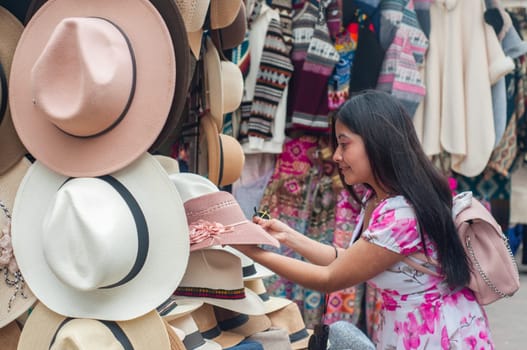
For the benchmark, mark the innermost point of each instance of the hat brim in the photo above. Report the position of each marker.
(9, 183)
(261, 272)
(275, 303)
(213, 83)
(250, 305)
(184, 307)
(209, 161)
(154, 89)
(176, 26)
(163, 209)
(12, 148)
(146, 332)
(245, 233)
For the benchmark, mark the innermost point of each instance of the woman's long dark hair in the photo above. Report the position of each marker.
(399, 163)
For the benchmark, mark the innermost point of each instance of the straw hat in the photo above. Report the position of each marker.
(168, 163)
(9, 336)
(223, 12)
(214, 217)
(221, 156)
(271, 303)
(233, 34)
(223, 84)
(24, 298)
(272, 339)
(174, 337)
(173, 308)
(214, 277)
(243, 324)
(194, 13)
(192, 338)
(129, 249)
(46, 329)
(208, 327)
(290, 318)
(100, 123)
(10, 144)
(251, 269)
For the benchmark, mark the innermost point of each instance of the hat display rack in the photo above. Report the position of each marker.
(91, 258)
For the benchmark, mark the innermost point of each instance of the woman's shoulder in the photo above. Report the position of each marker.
(398, 205)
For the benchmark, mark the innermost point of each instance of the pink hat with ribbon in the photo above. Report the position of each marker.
(214, 216)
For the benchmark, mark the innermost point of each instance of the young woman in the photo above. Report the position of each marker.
(406, 210)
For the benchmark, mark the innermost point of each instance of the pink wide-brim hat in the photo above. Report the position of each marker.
(219, 220)
(103, 122)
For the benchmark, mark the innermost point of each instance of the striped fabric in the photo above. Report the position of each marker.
(273, 76)
(400, 74)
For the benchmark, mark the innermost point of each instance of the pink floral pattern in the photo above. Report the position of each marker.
(420, 311)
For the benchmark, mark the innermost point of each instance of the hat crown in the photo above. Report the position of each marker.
(89, 235)
(84, 78)
(232, 84)
(79, 334)
(190, 185)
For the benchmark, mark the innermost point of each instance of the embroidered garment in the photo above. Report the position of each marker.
(314, 58)
(288, 197)
(419, 311)
(263, 108)
(405, 53)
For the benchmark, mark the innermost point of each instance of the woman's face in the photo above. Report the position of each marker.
(351, 156)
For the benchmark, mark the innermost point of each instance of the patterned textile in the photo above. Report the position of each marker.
(344, 304)
(338, 87)
(285, 9)
(274, 74)
(420, 311)
(400, 73)
(505, 154)
(314, 58)
(288, 197)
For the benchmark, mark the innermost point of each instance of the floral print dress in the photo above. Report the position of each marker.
(419, 311)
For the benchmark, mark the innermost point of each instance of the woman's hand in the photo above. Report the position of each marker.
(275, 228)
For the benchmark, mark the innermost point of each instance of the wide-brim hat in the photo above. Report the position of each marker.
(251, 269)
(49, 105)
(290, 318)
(194, 13)
(45, 327)
(208, 327)
(172, 308)
(214, 277)
(168, 163)
(223, 84)
(221, 156)
(9, 336)
(115, 276)
(193, 339)
(223, 12)
(176, 26)
(232, 35)
(11, 147)
(271, 303)
(24, 298)
(243, 324)
(215, 218)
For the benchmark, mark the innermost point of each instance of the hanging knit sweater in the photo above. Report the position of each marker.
(405, 53)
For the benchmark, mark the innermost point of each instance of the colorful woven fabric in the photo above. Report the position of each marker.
(288, 197)
(339, 82)
(314, 58)
(273, 77)
(405, 53)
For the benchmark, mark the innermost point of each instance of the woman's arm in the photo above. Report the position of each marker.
(359, 263)
(316, 252)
